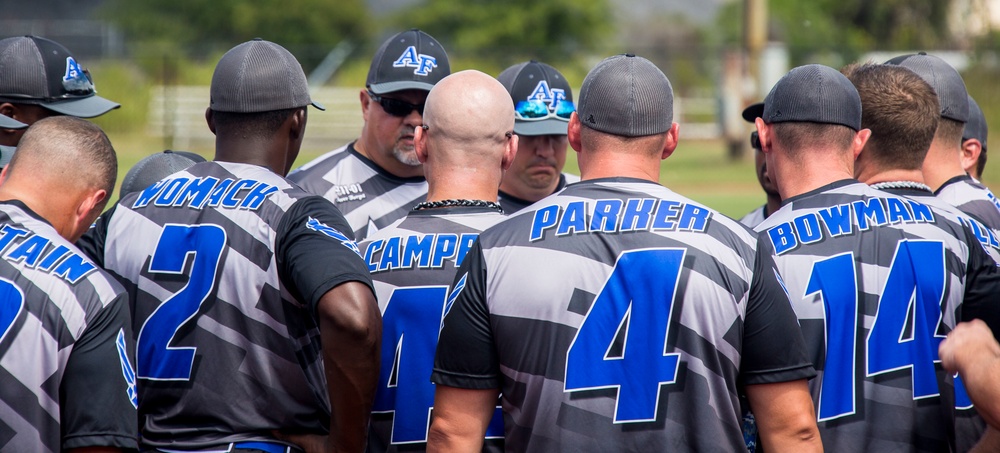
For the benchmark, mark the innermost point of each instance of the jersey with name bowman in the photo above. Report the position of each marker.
(512, 204)
(617, 315)
(66, 348)
(225, 264)
(413, 263)
(877, 280)
(368, 196)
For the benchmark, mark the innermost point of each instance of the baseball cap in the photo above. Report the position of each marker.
(752, 112)
(945, 80)
(259, 76)
(156, 167)
(976, 126)
(7, 122)
(410, 60)
(628, 96)
(534, 83)
(40, 71)
(816, 94)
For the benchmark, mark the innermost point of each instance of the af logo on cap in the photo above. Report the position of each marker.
(424, 64)
(550, 96)
(75, 79)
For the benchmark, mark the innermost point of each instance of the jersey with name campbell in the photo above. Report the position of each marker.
(617, 315)
(66, 348)
(877, 280)
(368, 196)
(413, 263)
(512, 204)
(225, 264)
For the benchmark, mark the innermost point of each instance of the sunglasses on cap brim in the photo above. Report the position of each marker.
(396, 107)
(536, 110)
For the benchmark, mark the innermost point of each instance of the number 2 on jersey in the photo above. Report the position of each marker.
(635, 303)
(156, 358)
(11, 304)
(903, 334)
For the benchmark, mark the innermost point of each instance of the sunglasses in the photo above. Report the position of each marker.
(396, 107)
(755, 141)
(536, 110)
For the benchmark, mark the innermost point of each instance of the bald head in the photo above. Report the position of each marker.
(67, 152)
(469, 112)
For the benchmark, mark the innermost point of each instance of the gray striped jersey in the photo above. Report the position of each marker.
(66, 350)
(512, 204)
(973, 198)
(877, 280)
(755, 217)
(413, 264)
(370, 197)
(617, 315)
(225, 264)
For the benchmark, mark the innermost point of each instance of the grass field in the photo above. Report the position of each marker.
(697, 169)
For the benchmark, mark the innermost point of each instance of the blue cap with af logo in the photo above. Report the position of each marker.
(410, 60)
(543, 100)
(40, 71)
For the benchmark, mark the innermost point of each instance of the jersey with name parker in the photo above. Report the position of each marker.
(617, 315)
(877, 280)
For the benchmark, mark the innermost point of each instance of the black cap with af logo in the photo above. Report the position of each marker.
(40, 71)
(410, 60)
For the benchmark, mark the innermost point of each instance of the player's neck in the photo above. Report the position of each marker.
(597, 165)
(469, 185)
(892, 175)
(795, 179)
(271, 155)
(942, 163)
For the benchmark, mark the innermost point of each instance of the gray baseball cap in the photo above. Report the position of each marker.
(40, 71)
(539, 89)
(628, 96)
(409, 60)
(259, 76)
(976, 126)
(815, 94)
(945, 80)
(156, 167)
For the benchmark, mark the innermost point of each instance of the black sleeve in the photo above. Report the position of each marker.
(466, 357)
(98, 394)
(92, 242)
(315, 251)
(773, 348)
(982, 288)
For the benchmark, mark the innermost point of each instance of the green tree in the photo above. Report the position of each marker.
(508, 31)
(198, 28)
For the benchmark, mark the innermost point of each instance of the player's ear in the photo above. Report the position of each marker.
(86, 213)
(509, 152)
(763, 135)
(3, 174)
(297, 123)
(859, 141)
(670, 144)
(366, 103)
(420, 142)
(573, 132)
(210, 120)
(971, 149)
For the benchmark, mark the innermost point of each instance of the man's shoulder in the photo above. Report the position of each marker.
(336, 160)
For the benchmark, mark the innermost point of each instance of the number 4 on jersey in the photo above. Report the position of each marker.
(635, 303)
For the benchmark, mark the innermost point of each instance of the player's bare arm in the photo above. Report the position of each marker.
(785, 416)
(351, 329)
(460, 419)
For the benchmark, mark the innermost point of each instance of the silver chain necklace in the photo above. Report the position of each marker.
(458, 203)
(901, 185)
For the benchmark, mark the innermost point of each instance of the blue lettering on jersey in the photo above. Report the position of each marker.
(128, 372)
(423, 251)
(614, 215)
(985, 235)
(993, 198)
(332, 232)
(197, 193)
(423, 64)
(29, 248)
(848, 218)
